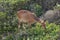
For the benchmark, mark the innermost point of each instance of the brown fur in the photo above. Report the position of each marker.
(26, 16)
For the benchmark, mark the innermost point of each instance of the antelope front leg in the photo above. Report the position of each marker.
(29, 25)
(24, 26)
(19, 25)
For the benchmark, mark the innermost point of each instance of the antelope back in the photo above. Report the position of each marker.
(27, 16)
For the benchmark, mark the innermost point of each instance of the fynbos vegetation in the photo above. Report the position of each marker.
(9, 20)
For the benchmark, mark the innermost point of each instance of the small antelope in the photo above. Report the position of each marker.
(25, 16)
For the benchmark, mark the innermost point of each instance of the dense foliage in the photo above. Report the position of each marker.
(8, 21)
(38, 33)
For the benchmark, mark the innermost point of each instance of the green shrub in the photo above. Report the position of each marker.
(57, 6)
(2, 15)
(8, 21)
(37, 9)
(39, 33)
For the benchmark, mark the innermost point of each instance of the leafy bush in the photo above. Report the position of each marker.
(38, 33)
(8, 21)
(57, 6)
(36, 8)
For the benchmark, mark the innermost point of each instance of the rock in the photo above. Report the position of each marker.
(52, 16)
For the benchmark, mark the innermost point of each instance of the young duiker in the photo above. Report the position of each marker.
(25, 16)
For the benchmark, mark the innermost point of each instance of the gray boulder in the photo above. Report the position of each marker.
(52, 16)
